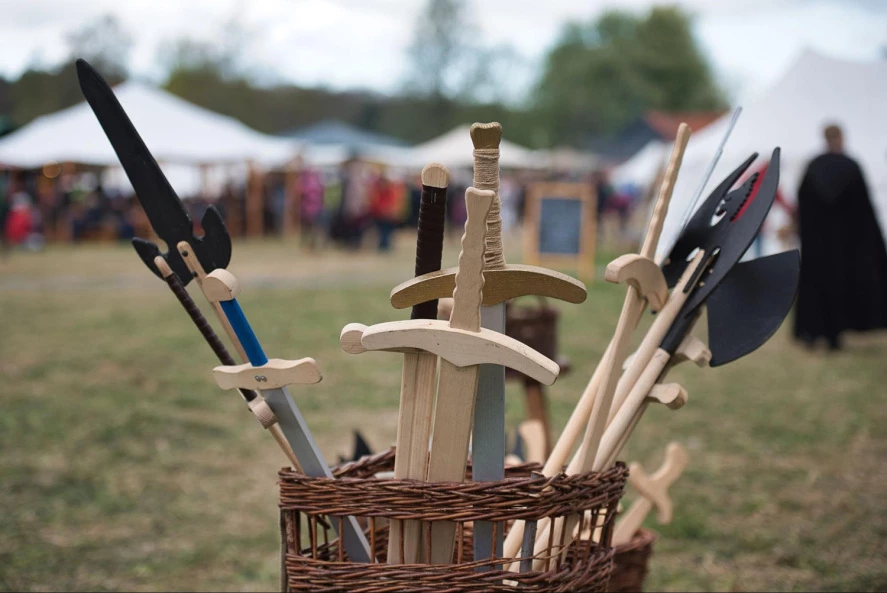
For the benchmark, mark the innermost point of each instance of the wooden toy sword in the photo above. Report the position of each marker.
(462, 345)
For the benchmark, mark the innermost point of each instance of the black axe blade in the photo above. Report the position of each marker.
(723, 241)
(750, 304)
(698, 228)
(164, 209)
(730, 237)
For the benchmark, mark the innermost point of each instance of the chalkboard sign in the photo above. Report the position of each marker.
(560, 226)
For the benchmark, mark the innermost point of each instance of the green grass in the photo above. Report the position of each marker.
(123, 467)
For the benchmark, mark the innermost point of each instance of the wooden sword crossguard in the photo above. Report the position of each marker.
(654, 493)
(510, 282)
(222, 285)
(642, 273)
(273, 374)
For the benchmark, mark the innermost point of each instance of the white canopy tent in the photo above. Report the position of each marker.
(816, 90)
(454, 150)
(174, 130)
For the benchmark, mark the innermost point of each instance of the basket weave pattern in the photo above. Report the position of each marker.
(316, 561)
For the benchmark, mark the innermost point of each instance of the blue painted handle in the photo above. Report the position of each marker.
(244, 332)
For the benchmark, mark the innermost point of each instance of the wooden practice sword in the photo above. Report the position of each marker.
(221, 286)
(419, 368)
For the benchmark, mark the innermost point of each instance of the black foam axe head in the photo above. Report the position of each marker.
(723, 228)
(749, 301)
(165, 210)
(750, 305)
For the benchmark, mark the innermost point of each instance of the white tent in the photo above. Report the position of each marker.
(173, 129)
(642, 168)
(816, 90)
(454, 149)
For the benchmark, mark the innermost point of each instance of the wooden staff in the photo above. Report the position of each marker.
(199, 273)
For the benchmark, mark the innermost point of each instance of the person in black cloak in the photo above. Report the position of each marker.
(843, 284)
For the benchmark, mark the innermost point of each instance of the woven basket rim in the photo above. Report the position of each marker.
(524, 497)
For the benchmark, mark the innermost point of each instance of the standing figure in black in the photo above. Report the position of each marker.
(843, 283)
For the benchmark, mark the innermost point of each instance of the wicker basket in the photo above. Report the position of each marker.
(314, 560)
(631, 561)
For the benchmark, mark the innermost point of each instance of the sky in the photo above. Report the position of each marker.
(362, 43)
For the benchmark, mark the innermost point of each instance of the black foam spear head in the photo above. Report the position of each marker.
(168, 215)
(746, 302)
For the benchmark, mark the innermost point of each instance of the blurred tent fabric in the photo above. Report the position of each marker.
(454, 149)
(650, 126)
(175, 131)
(642, 169)
(331, 142)
(815, 91)
(565, 158)
(338, 132)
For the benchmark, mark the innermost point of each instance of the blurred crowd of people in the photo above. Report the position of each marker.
(74, 208)
(351, 206)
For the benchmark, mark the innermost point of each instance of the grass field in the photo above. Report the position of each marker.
(123, 467)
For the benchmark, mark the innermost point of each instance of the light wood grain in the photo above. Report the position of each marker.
(435, 175)
(669, 178)
(454, 411)
(453, 418)
(514, 280)
(413, 434)
(460, 347)
(642, 273)
(274, 374)
(671, 395)
(694, 350)
(654, 493)
(220, 285)
(350, 337)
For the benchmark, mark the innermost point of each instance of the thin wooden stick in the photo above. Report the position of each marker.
(199, 274)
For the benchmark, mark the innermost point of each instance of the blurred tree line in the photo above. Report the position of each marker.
(598, 76)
